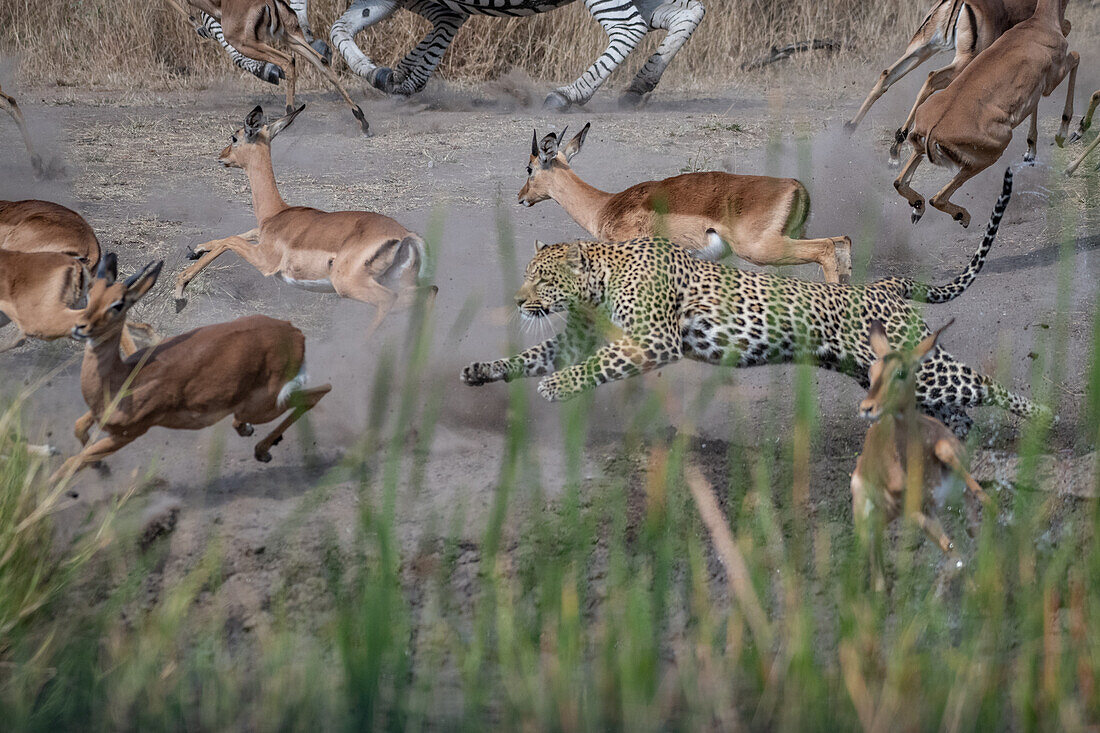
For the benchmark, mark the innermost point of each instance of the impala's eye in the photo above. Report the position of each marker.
(234, 138)
(117, 306)
(529, 170)
(901, 374)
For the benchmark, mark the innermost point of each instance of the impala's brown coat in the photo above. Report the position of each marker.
(251, 368)
(969, 124)
(43, 226)
(760, 217)
(356, 254)
(905, 447)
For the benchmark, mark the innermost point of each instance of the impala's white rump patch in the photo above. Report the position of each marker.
(292, 387)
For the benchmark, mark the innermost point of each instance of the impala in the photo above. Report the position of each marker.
(905, 450)
(251, 27)
(1086, 123)
(969, 28)
(969, 124)
(760, 217)
(252, 368)
(355, 254)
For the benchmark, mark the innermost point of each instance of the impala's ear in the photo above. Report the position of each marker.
(108, 268)
(924, 348)
(539, 245)
(140, 283)
(574, 145)
(877, 337)
(576, 257)
(282, 123)
(548, 149)
(254, 122)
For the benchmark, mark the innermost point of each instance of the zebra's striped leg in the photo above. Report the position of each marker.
(625, 27)
(269, 72)
(361, 14)
(301, 10)
(416, 68)
(680, 19)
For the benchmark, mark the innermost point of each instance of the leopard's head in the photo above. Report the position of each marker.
(554, 280)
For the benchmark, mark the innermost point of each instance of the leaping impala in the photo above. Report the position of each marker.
(251, 27)
(969, 27)
(9, 105)
(904, 447)
(252, 368)
(969, 124)
(760, 217)
(355, 254)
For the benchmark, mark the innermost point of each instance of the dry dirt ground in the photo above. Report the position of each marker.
(142, 167)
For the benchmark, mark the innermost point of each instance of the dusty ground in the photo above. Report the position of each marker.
(142, 168)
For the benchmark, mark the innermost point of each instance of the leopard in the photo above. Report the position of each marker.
(654, 303)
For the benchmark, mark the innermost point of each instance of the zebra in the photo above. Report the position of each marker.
(626, 22)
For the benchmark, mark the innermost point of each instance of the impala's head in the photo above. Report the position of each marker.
(109, 299)
(255, 134)
(893, 374)
(547, 158)
(555, 279)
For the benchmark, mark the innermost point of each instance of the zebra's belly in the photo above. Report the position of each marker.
(504, 7)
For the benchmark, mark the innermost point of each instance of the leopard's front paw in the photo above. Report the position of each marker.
(550, 388)
(479, 373)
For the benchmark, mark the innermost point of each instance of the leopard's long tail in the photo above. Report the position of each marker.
(999, 395)
(915, 290)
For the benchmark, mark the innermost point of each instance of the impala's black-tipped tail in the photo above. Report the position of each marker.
(955, 288)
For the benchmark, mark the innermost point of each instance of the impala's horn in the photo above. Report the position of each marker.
(151, 268)
(535, 143)
(108, 268)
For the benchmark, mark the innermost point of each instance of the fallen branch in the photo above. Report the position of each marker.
(778, 54)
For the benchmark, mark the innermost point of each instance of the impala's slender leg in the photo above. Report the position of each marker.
(942, 199)
(946, 454)
(302, 402)
(917, 53)
(1073, 60)
(934, 530)
(298, 43)
(83, 427)
(1032, 136)
(242, 244)
(1081, 158)
(97, 451)
(901, 185)
(291, 79)
(1086, 120)
(12, 107)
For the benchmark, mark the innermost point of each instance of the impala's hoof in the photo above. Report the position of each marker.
(555, 100)
(181, 303)
(632, 100)
(245, 429)
(358, 114)
(963, 218)
(263, 455)
(894, 160)
(899, 136)
(1074, 136)
(322, 50)
(849, 127)
(271, 73)
(918, 212)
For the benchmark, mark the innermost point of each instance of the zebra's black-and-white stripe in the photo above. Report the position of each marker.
(626, 22)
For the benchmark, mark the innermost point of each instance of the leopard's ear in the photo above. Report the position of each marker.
(576, 257)
(539, 245)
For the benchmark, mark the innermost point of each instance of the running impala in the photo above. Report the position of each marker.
(252, 368)
(760, 217)
(355, 254)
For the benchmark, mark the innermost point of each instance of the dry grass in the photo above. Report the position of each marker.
(143, 42)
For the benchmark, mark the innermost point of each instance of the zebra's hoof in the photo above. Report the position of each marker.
(555, 100)
(632, 100)
(322, 50)
(271, 73)
(382, 79)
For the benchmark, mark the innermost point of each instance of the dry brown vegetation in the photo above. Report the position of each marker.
(144, 42)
